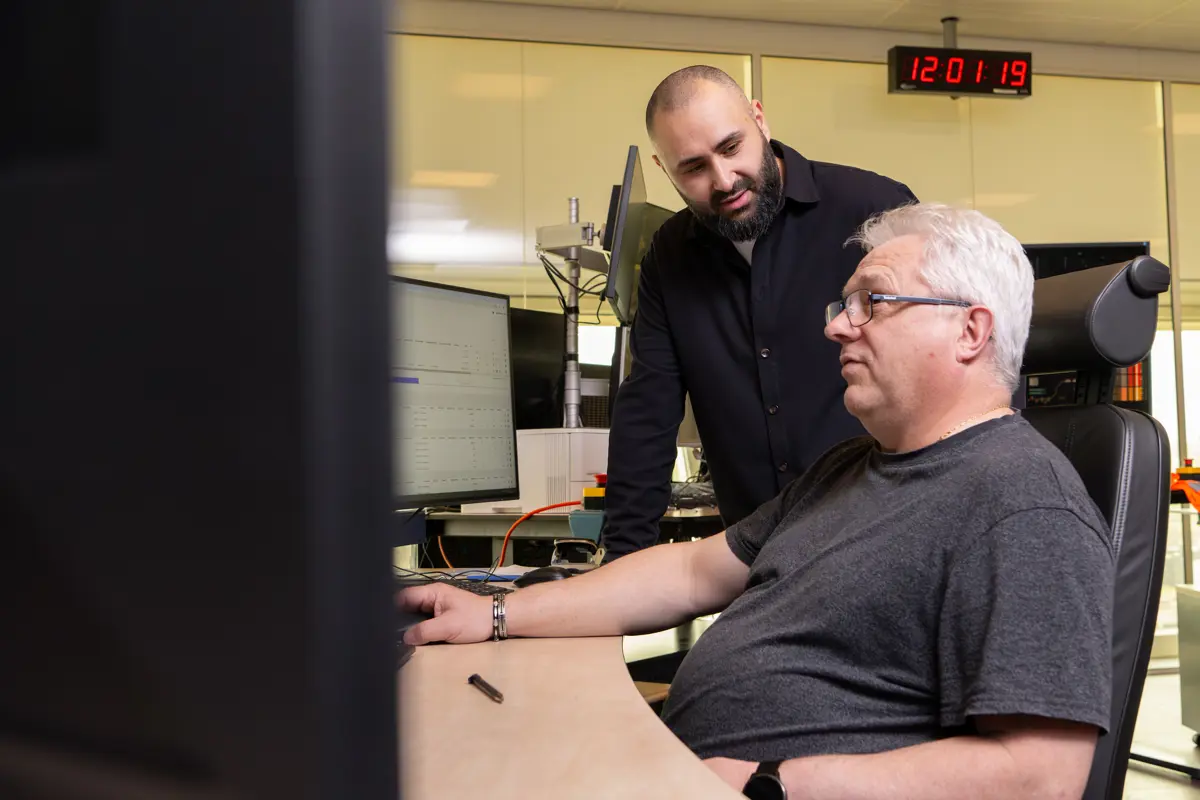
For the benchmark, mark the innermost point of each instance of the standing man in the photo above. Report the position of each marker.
(729, 299)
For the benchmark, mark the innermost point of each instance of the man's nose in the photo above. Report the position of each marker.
(723, 178)
(840, 330)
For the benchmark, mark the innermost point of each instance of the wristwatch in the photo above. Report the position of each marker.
(765, 784)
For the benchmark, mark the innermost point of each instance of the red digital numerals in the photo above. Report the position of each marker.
(931, 69)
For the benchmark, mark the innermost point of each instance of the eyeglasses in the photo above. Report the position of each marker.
(859, 306)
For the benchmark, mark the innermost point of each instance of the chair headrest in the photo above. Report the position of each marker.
(1095, 319)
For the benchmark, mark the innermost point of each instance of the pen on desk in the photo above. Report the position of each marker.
(485, 687)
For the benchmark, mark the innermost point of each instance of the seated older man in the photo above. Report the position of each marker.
(926, 613)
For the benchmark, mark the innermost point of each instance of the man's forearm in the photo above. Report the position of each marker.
(966, 766)
(644, 591)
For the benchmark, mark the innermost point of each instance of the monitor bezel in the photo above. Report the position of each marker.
(426, 501)
(622, 305)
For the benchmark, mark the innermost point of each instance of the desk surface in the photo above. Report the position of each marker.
(572, 724)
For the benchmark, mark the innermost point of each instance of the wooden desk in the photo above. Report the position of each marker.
(572, 724)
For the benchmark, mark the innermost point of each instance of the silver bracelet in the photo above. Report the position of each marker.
(499, 620)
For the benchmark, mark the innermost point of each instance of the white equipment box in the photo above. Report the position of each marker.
(555, 465)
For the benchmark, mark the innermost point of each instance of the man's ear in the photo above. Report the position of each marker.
(660, 165)
(976, 334)
(760, 118)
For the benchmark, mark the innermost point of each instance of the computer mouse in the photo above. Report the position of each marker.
(543, 574)
(405, 618)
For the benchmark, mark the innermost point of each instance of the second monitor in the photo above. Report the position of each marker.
(452, 396)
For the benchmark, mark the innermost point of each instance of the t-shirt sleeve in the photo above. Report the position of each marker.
(1026, 625)
(747, 537)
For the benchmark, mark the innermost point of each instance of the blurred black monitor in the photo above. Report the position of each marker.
(539, 352)
(195, 487)
(634, 222)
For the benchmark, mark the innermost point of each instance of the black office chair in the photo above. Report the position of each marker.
(1093, 322)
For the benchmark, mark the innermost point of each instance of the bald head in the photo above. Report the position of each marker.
(678, 88)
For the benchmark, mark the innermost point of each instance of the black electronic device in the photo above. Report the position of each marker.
(195, 477)
(1049, 260)
(594, 394)
(539, 353)
(452, 396)
(544, 574)
(957, 71)
(765, 783)
(635, 222)
(1131, 385)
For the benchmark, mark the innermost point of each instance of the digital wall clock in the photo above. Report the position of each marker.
(954, 71)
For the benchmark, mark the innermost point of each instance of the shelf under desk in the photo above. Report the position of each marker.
(677, 524)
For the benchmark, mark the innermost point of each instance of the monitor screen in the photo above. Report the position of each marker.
(635, 222)
(539, 351)
(454, 438)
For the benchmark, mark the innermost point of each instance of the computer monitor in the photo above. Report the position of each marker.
(1049, 260)
(636, 221)
(195, 488)
(452, 396)
(539, 352)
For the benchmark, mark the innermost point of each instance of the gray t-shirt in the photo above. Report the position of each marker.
(893, 597)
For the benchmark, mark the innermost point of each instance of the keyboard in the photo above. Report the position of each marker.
(485, 588)
(482, 588)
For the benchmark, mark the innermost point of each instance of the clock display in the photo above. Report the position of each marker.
(943, 70)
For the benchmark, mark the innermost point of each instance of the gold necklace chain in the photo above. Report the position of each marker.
(970, 420)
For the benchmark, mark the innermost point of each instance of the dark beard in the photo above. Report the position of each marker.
(768, 199)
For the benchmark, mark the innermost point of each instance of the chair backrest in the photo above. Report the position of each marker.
(1095, 321)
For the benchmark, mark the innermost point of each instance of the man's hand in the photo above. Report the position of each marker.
(732, 771)
(459, 616)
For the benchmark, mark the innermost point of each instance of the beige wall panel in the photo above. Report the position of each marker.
(1186, 119)
(457, 172)
(1080, 161)
(584, 106)
(841, 112)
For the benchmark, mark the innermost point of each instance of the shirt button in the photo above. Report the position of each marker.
(765, 352)
(783, 467)
(773, 410)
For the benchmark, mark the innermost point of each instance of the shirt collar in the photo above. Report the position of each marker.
(798, 183)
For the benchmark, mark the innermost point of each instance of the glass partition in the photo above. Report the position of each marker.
(1185, 141)
(495, 136)
(841, 112)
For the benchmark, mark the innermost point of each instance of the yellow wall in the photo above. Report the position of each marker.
(494, 137)
(1186, 122)
(841, 112)
(1185, 99)
(1079, 161)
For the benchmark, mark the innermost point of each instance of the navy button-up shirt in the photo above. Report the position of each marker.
(746, 342)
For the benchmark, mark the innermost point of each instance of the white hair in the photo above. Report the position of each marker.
(970, 257)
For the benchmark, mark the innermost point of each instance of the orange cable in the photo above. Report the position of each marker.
(507, 536)
(443, 552)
